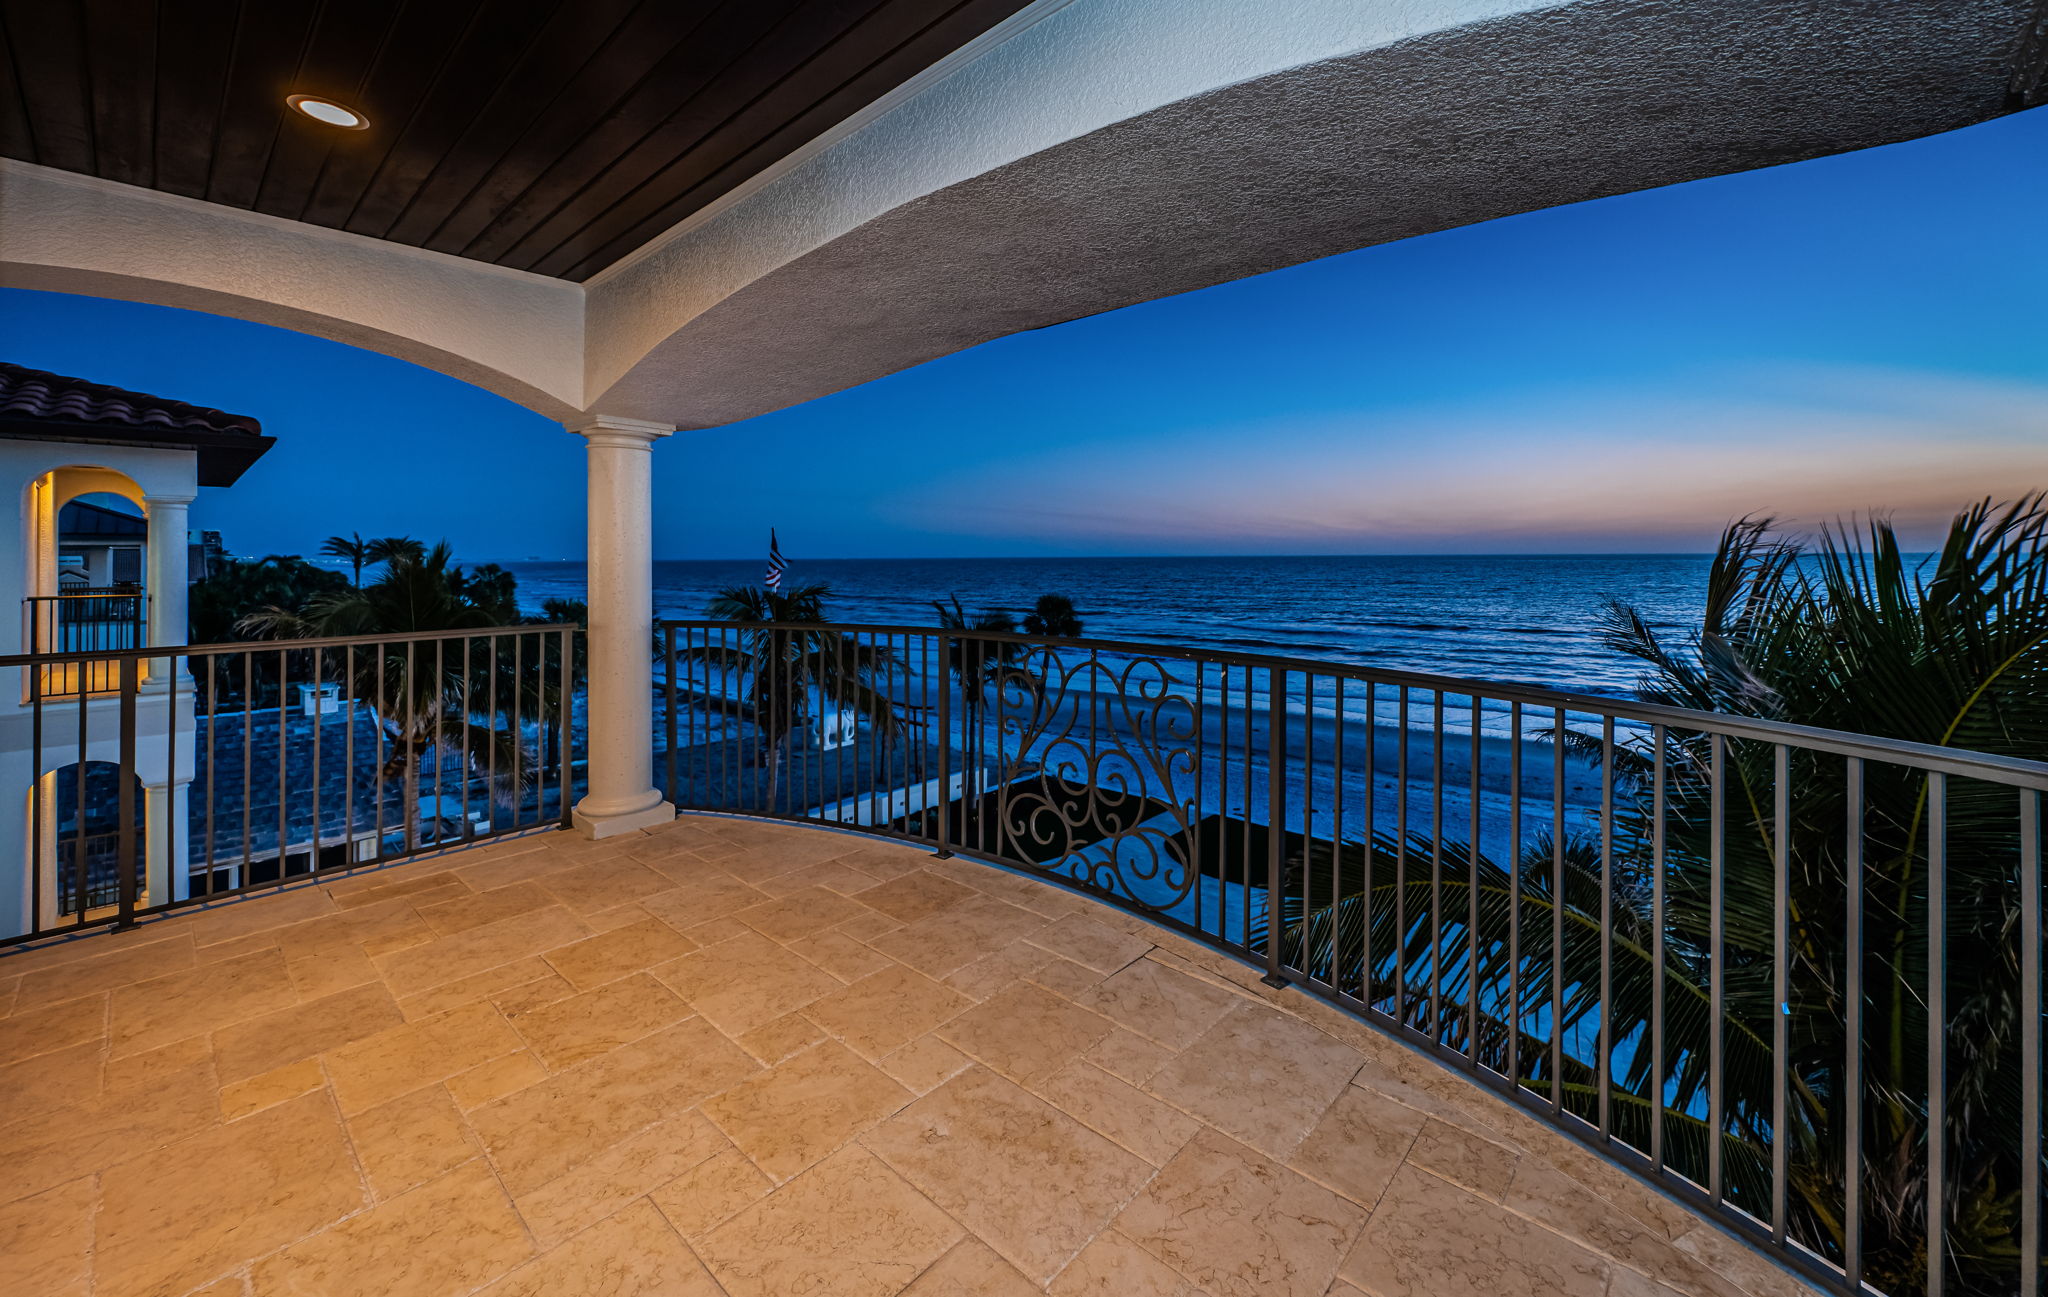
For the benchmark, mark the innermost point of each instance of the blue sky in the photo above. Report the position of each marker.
(1852, 333)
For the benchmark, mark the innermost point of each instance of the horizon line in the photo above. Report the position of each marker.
(1060, 558)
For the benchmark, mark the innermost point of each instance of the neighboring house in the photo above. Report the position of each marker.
(87, 578)
(99, 547)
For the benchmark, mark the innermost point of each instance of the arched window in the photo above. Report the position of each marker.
(84, 811)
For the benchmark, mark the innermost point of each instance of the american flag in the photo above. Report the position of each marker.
(778, 567)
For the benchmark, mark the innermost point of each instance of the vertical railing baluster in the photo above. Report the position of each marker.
(467, 716)
(1603, 1051)
(438, 720)
(1781, 986)
(566, 718)
(80, 884)
(741, 695)
(2030, 1042)
(1276, 816)
(1308, 801)
(1436, 868)
(1004, 847)
(1515, 894)
(945, 709)
(1472, 1042)
(1717, 956)
(127, 670)
(248, 765)
(380, 652)
(348, 750)
(283, 736)
(1249, 710)
(1401, 864)
(1372, 727)
(1657, 775)
(174, 823)
(1557, 960)
(1937, 1032)
(34, 673)
(668, 674)
(1194, 839)
(1337, 839)
(518, 724)
(1852, 1044)
(319, 735)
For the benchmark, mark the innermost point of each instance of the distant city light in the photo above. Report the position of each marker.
(326, 110)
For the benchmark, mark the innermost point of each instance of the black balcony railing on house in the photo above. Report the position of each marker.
(87, 619)
(206, 771)
(1727, 953)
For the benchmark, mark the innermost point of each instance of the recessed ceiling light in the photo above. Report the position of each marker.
(326, 110)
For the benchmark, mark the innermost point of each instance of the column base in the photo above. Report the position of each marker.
(596, 826)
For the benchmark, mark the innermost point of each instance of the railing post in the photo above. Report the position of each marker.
(945, 850)
(1276, 816)
(668, 655)
(125, 865)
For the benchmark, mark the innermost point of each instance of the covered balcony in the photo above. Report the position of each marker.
(634, 957)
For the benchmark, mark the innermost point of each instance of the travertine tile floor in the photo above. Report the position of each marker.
(758, 1060)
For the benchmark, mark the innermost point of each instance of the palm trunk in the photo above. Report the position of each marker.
(775, 751)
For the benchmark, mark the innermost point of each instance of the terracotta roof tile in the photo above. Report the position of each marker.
(38, 394)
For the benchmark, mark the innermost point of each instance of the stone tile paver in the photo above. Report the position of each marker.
(1239, 1223)
(733, 1059)
(850, 1227)
(1029, 1180)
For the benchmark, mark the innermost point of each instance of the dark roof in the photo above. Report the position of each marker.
(36, 404)
(83, 518)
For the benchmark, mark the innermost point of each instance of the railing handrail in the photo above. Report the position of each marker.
(269, 645)
(1965, 762)
(133, 591)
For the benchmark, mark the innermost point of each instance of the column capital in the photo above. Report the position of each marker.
(164, 497)
(613, 430)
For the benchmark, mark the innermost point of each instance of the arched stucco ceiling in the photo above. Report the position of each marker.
(511, 333)
(1518, 112)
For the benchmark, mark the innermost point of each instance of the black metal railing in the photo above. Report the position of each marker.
(87, 619)
(205, 771)
(1728, 953)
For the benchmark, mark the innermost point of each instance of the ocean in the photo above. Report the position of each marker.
(1522, 619)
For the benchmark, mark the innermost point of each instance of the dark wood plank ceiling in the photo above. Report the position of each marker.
(550, 135)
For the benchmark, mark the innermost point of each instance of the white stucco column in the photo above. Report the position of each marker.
(166, 856)
(622, 795)
(167, 580)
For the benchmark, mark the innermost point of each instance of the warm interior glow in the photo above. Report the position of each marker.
(326, 110)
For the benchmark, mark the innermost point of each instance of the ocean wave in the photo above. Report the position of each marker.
(1292, 646)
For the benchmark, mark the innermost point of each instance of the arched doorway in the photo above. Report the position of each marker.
(80, 833)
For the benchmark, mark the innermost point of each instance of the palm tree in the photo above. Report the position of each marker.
(1848, 634)
(386, 548)
(785, 667)
(1844, 633)
(437, 699)
(232, 588)
(1053, 615)
(351, 547)
(978, 664)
